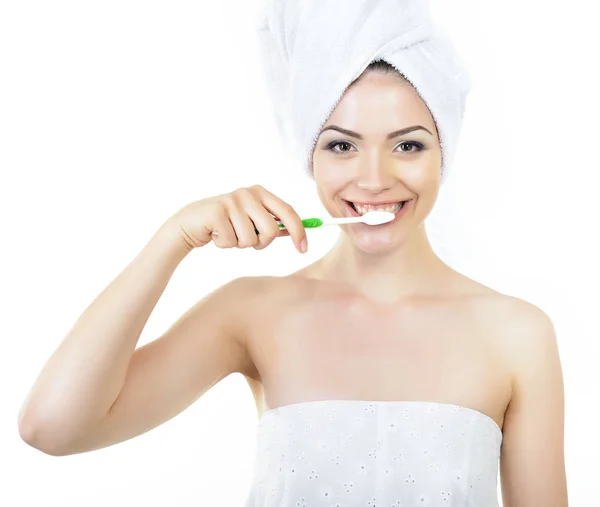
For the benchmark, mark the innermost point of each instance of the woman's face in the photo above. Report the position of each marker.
(363, 169)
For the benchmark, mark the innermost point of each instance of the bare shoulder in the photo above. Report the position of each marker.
(516, 315)
(524, 334)
(530, 332)
(510, 310)
(244, 297)
(516, 324)
(252, 301)
(255, 291)
(260, 297)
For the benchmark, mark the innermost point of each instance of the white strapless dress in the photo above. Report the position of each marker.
(351, 453)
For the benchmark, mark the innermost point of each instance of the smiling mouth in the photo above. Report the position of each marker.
(361, 209)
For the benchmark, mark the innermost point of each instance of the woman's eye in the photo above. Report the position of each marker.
(417, 146)
(335, 144)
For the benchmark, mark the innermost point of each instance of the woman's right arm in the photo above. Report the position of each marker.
(82, 399)
(97, 389)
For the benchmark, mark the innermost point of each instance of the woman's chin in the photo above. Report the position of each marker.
(375, 242)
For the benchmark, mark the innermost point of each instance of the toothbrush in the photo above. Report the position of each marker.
(369, 218)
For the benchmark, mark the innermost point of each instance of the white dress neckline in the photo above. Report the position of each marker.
(299, 404)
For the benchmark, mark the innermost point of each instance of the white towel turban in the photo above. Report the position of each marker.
(312, 50)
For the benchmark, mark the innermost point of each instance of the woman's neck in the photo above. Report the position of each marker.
(411, 269)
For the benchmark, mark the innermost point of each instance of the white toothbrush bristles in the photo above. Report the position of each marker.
(378, 217)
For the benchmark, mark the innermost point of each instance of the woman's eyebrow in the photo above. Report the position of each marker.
(396, 133)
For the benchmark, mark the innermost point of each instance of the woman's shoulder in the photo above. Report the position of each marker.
(505, 305)
(507, 313)
(516, 324)
(261, 290)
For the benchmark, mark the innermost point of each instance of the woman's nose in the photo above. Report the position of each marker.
(376, 175)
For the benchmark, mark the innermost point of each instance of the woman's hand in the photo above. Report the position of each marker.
(233, 219)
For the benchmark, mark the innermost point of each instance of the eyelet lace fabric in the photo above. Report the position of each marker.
(350, 453)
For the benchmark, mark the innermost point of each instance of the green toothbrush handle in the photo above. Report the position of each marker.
(308, 223)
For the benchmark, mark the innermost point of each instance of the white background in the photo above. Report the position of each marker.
(115, 114)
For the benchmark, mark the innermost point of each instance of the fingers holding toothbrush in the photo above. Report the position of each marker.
(281, 211)
(246, 217)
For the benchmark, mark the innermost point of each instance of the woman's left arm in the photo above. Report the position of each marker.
(532, 463)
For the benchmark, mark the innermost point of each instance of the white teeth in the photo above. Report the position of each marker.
(362, 209)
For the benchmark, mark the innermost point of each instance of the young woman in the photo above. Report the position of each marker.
(380, 373)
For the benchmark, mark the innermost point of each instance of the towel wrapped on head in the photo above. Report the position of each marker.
(312, 50)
